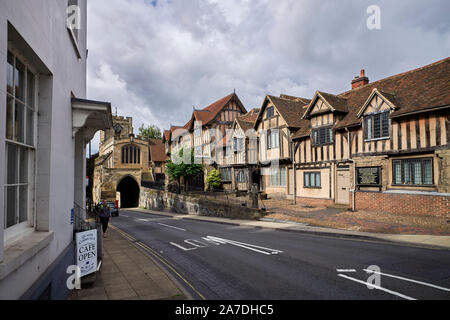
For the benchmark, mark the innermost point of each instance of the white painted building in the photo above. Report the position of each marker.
(45, 124)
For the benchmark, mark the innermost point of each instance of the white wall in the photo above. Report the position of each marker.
(43, 26)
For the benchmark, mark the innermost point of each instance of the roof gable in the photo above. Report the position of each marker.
(290, 110)
(378, 101)
(324, 102)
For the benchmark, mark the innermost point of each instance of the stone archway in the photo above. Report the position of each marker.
(129, 192)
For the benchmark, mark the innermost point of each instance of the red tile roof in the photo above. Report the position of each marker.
(157, 151)
(415, 91)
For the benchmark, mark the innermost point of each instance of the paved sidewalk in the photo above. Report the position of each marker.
(362, 220)
(420, 240)
(128, 274)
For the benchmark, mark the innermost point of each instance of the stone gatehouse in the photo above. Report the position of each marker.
(124, 161)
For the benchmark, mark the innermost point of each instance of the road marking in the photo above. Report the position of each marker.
(246, 245)
(122, 215)
(378, 287)
(410, 280)
(143, 220)
(196, 243)
(181, 247)
(166, 225)
(345, 270)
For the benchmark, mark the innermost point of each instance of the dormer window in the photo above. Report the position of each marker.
(376, 126)
(322, 136)
(270, 112)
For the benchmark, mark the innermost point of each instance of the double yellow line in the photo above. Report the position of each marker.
(156, 255)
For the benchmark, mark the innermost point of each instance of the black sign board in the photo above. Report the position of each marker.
(369, 176)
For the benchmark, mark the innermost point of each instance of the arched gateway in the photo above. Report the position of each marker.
(129, 192)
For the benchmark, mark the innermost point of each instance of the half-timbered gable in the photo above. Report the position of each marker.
(277, 119)
(390, 137)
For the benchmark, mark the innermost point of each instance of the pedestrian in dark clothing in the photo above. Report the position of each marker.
(105, 214)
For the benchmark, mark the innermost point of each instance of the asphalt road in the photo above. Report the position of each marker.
(222, 261)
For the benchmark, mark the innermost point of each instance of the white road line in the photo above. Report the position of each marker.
(122, 215)
(166, 225)
(378, 287)
(345, 270)
(246, 246)
(181, 247)
(144, 220)
(410, 280)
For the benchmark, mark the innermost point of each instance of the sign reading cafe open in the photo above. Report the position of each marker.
(87, 252)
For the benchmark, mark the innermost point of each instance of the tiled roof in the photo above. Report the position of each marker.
(417, 90)
(166, 136)
(291, 110)
(157, 150)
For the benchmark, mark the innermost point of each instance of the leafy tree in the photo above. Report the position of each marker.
(213, 180)
(151, 132)
(182, 167)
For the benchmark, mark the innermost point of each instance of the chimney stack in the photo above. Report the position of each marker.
(360, 81)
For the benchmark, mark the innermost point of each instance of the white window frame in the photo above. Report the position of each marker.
(20, 229)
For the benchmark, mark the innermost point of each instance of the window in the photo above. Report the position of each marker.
(242, 176)
(238, 144)
(225, 174)
(413, 172)
(312, 180)
(322, 136)
(131, 154)
(198, 151)
(198, 132)
(278, 177)
(270, 112)
(273, 139)
(21, 108)
(376, 126)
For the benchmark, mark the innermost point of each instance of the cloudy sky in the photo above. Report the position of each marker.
(155, 60)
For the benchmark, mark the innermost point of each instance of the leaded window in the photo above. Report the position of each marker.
(311, 180)
(376, 126)
(413, 172)
(322, 136)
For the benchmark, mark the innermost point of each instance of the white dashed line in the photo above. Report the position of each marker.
(166, 225)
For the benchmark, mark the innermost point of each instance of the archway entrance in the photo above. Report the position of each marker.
(129, 193)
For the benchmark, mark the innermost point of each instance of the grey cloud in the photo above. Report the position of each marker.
(181, 53)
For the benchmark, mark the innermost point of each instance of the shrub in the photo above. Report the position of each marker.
(213, 180)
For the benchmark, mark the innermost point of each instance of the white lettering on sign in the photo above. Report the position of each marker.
(87, 252)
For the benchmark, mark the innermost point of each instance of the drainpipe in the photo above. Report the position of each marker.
(353, 191)
(294, 173)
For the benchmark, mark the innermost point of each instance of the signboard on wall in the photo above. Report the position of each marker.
(369, 176)
(87, 251)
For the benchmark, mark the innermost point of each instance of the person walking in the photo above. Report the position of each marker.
(105, 214)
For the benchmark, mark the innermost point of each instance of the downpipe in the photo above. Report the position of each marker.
(353, 190)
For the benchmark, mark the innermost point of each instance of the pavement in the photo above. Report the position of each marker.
(128, 273)
(273, 224)
(219, 259)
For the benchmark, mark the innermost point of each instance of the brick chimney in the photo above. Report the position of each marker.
(360, 81)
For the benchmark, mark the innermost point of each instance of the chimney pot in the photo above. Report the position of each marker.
(360, 81)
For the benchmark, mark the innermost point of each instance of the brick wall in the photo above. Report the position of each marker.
(414, 204)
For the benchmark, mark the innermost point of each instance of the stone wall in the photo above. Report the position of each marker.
(194, 205)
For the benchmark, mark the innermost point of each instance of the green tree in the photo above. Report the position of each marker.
(213, 180)
(182, 167)
(150, 132)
